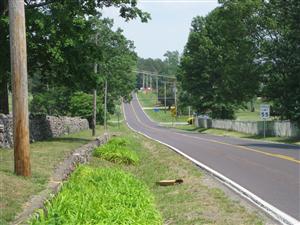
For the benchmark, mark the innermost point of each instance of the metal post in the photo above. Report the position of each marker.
(19, 87)
(189, 111)
(105, 107)
(264, 128)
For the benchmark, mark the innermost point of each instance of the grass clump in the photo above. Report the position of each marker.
(116, 151)
(118, 141)
(101, 196)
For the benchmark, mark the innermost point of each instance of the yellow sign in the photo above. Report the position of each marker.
(173, 112)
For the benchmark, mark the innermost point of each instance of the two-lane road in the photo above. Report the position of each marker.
(269, 171)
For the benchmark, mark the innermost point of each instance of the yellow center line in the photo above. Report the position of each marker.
(284, 157)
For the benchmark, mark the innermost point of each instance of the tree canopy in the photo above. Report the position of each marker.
(66, 40)
(243, 49)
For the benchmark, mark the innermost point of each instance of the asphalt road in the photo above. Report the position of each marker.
(270, 171)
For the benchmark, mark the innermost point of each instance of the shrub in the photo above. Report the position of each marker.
(101, 196)
(52, 102)
(81, 105)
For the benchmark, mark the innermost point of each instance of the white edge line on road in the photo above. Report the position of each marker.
(275, 213)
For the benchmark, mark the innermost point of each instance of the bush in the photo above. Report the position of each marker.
(81, 104)
(116, 151)
(101, 196)
(51, 102)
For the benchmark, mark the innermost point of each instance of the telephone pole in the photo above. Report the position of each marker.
(95, 96)
(18, 53)
(175, 97)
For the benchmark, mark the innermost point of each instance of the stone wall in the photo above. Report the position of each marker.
(41, 128)
(273, 128)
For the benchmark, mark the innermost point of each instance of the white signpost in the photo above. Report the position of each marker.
(265, 114)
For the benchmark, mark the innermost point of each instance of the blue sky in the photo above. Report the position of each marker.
(169, 27)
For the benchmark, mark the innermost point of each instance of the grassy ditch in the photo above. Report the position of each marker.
(101, 196)
(45, 155)
(196, 201)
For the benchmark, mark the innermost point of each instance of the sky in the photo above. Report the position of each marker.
(167, 30)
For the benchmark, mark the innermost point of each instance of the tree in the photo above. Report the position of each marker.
(218, 70)
(280, 50)
(57, 33)
(114, 56)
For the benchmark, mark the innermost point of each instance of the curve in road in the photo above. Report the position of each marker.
(268, 174)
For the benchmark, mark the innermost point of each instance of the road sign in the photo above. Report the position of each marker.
(173, 111)
(265, 111)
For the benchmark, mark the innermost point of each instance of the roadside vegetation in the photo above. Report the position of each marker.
(132, 186)
(117, 151)
(149, 99)
(101, 196)
(45, 155)
(196, 201)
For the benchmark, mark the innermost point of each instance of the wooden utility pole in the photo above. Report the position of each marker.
(175, 97)
(19, 87)
(143, 81)
(95, 96)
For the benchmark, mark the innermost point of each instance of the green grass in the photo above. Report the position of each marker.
(228, 133)
(117, 151)
(114, 117)
(194, 201)
(148, 99)
(247, 116)
(162, 116)
(103, 196)
(45, 155)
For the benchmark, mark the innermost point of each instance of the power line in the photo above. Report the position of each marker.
(154, 74)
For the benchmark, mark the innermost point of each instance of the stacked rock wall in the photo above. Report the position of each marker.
(41, 127)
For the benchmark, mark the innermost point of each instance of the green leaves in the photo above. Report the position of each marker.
(218, 69)
(101, 196)
(281, 51)
(116, 151)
